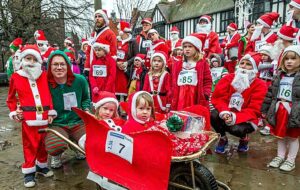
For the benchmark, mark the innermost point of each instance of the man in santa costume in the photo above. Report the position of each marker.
(34, 109)
(293, 18)
(211, 44)
(230, 46)
(174, 38)
(101, 33)
(127, 50)
(13, 47)
(44, 47)
(142, 38)
(237, 100)
(263, 33)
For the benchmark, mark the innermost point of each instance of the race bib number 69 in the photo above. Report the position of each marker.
(120, 145)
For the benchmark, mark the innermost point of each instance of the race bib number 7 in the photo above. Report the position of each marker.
(120, 145)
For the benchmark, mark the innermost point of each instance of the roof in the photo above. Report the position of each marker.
(146, 14)
(192, 9)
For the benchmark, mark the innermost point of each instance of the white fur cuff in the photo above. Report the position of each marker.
(52, 113)
(12, 114)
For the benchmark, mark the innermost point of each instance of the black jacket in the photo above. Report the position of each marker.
(129, 74)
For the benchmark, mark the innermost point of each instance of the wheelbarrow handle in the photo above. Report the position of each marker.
(71, 143)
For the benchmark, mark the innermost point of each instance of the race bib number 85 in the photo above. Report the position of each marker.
(187, 78)
(119, 144)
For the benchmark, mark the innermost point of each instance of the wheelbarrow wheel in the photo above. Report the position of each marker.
(181, 174)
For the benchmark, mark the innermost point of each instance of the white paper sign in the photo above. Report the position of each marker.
(119, 144)
(99, 71)
(70, 100)
(187, 77)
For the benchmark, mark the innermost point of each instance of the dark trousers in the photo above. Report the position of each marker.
(239, 130)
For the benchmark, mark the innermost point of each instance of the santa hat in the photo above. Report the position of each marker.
(207, 18)
(151, 31)
(254, 58)
(294, 48)
(178, 44)
(105, 97)
(84, 42)
(69, 41)
(160, 54)
(40, 37)
(295, 3)
(267, 50)
(16, 44)
(287, 32)
(103, 14)
(103, 45)
(174, 30)
(196, 39)
(232, 26)
(268, 19)
(31, 50)
(140, 57)
(147, 20)
(124, 26)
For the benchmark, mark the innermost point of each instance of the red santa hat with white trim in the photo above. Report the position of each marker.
(287, 32)
(40, 37)
(105, 97)
(147, 20)
(84, 42)
(268, 19)
(124, 26)
(103, 44)
(254, 58)
(103, 14)
(31, 50)
(160, 54)
(232, 26)
(141, 57)
(295, 3)
(196, 40)
(174, 30)
(178, 44)
(207, 18)
(69, 41)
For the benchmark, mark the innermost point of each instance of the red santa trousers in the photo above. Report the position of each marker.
(33, 148)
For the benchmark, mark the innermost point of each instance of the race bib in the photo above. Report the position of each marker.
(120, 54)
(265, 74)
(259, 44)
(120, 145)
(99, 71)
(216, 73)
(236, 101)
(91, 41)
(146, 43)
(187, 77)
(206, 44)
(285, 88)
(149, 53)
(70, 100)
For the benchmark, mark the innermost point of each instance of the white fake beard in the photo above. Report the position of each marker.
(277, 49)
(242, 79)
(203, 28)
(256, 32)
(174, 37)
(121, 33)
(44, 48)
(34, 70)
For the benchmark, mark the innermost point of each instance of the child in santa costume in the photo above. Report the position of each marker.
(158, 44)
(127, 49)
(102, 75)
(75, 68)
(237, 100)
(176, 56)
(281, 108)
(106, 108)
(230, 46)
(136, 74)
(263, 33)
(157, 82)
(34, 109)
(191, 78)
(216, 69)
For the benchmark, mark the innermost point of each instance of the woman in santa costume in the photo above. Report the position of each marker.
(281, 108)
(231, 42)
(237, 100)
(34, 109)
(191, 78)
(127, 49)
(244, 40)
(158, 44)
(263, 33)
(157, 82)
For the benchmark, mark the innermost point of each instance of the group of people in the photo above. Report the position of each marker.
(246, 82)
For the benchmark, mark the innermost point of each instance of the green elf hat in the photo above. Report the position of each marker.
(16, 44)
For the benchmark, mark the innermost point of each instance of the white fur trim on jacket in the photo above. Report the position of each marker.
(36, 122)
(161, 80)
(52, 113)
(12, 114)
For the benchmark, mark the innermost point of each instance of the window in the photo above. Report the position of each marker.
(226, 18)
(180, 26)
(160, 29)
(260, 7)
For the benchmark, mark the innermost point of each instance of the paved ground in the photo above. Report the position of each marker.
(239, 171)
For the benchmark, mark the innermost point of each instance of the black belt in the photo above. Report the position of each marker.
(154, 92)
(35, 108)
(266, 79)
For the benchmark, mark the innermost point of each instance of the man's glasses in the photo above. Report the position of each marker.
(98, 16)
(62, 65)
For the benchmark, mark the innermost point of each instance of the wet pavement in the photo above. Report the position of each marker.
(238, 170)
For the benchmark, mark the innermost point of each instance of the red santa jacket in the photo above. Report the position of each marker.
(230, 42)
(106, 35)
(104, 83)
(158, 45)
(203, 86)
(161, 91)
(260, 41)
(34, 98)
(212, 44)
(253, 99)
(171, 44)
